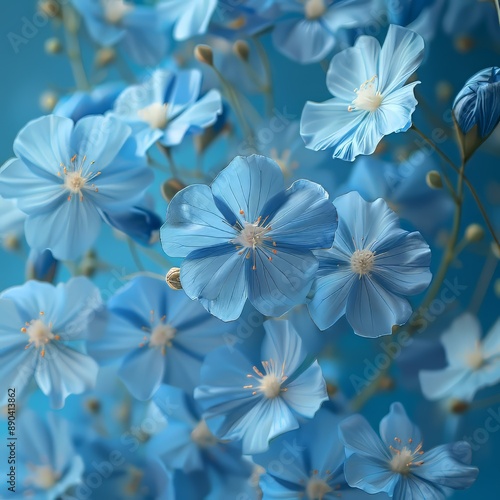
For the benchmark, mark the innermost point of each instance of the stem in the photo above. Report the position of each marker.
(70, 23)
(135, 255)
(465, 179)
(483, 283)
(168, 155)
(267, 70)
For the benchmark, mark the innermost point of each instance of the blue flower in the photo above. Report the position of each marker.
(397, 464)
(248, 238)
(478, 103)
(373, 263)
(168, 106)
(472, 363)
(135, 28)
(158, 332)
(254, 398)
(47, 466)
(42, 329)
(308, 463)
(308, 35)
(96, 102)
(371, 98)
(403, 186)
(72, 175)
(41, 266)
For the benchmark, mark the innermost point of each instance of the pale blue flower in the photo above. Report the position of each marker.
(42, 333)
(11, 224)
(254, 397)
(134, 28)
(159, 333)
(48, 466)
(397, 463)
(168, 106)
(72, 176)
(372, 265)
(248, 238)
(307, 33)
(370, 99)
(473, 363)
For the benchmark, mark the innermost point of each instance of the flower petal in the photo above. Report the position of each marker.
(396, 424)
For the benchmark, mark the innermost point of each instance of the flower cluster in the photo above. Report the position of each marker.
(228, 275)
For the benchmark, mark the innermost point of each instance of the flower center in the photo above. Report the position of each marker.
(39, 333)
(314, 9)
(115, 10)
(362, 261)
(368, 97)
(155, 115)
(270, 381)
(43, 476)
(162, 336)
(76, 177)
(317, 488)
(404, 457)
(202, 436)
(251, 236)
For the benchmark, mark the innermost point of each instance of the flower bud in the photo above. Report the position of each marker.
(496, 288)
(173, 278)
(433, 179)
(48, 101)
(105, 56)
(459, 407)
(170, 188)
(241, 49)
(50, 8)
(474, 233)
(495, 249)
(53, 46)
(204, 54)
(476, 109)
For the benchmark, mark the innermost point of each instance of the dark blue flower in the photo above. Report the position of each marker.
(397, 463)
(248, 238)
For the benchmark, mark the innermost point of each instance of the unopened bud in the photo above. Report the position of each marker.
(11, 243)
(496, 288)
(48, 101)
(53, 46)
(170, 188)
(474, 233)
(459, 407)
(464, 44)
(433, 180)
(496, 250)
(386, 384)
(204, 54)
(93, 405)
(173, 278)
(241, 49)
(444, 91)
(105, 56)
(50, 8)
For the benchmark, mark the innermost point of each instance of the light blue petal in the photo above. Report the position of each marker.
(142, 372)
(438, 384)
(352, 67)
(402, 265)
(444, 466)
(329, 301)
(370, 474)
(44, 143)
(397, 426)
(194, 222)
(184, 91)
(39, 194)
(195, 19)
(372, 311)
(401, 55)
(462, 337)
(197, 117)
(359, 438)
(68, 231)
(491, 343)
(410, 487)
(218, 280)
(276, 285)
(306, 218)
(246, 185)
(303, 40)
(64, 371)
(394, 114)
(307, 392)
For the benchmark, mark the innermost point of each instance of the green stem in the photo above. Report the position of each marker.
(267, 70)
(135, 256)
